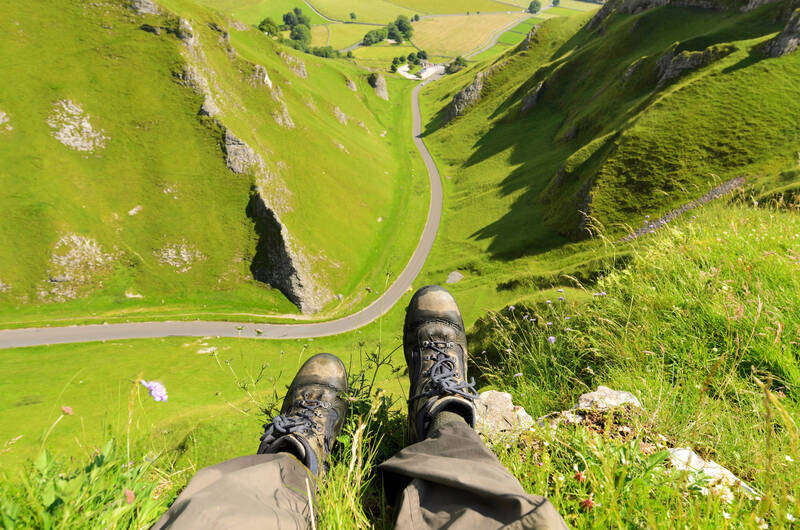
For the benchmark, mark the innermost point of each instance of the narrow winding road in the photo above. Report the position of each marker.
(15, 338)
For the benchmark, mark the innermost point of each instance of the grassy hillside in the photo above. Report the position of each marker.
(704, 341)
(618, 148)
(154, 211)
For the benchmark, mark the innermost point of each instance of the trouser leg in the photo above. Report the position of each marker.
(452, 480)
(254, 491)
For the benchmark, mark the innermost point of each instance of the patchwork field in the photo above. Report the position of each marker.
(344, 35)
(563, 12)
(371, 11)
(458, 35)
(455, 6)
(254, 11)
(577, 4)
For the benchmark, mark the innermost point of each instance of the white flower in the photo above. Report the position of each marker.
(791, 518)
(726, 515)
(789, 458)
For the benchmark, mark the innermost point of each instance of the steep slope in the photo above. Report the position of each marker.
(629, 113)
(158, 156)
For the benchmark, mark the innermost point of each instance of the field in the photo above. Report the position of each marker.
(344, 35)
(455, 6)
(370, 11)
(254, 11)
(170, 173)
(458, 35)
(577, 4)
(380, 55)
(562, 12)
(319, 35)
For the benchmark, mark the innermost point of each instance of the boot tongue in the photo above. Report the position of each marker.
(435, 333)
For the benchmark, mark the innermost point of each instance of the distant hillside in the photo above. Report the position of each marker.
(161, 158)
(619, 116)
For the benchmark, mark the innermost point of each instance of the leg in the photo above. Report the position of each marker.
(274, 488)
(450, 478)
(253, 491)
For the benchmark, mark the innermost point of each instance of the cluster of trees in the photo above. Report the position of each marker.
(412, 58)
(535, 7)
(399, 30)
(298, 24)
(456, 65)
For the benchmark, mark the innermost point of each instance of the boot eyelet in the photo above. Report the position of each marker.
(325, 405)
(425, 343)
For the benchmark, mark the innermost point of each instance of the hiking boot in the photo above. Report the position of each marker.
(435, 346)
(312, 415)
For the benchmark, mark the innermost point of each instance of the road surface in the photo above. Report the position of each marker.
(15, 338)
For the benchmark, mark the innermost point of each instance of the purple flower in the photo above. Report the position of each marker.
(566, 318)
(549, 302)
(518, 374)
(560, 298)
(603, 293)
(511, 308)
(595, 294)
(549, 323)
(551, 339)
(157, 390)
(561, 290)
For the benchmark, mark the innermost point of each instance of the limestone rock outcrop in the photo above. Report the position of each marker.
(145, 7)
(496, 414)
(73, 128)
(295, 65)
(466, 97)
(788, 40)
(533, 96)
(378, 82)
(673, 65)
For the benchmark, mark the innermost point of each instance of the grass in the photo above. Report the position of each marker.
(704, 341)
(320, 35)
(458, 35)
(369, 11)
(254, 11)
(563, 11)
(159, 144)
(344, 35)
(454, 6)
(577, 4)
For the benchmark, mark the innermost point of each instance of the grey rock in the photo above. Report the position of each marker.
(496, 415)
(295, 65)
(605, 398)
(454, 277)
(755, 4)
(378, 82)
(533, 96)
(788, 40)
(340, 116)
(351, 84)
(72, 127)
(145, 7)
(150, 29)
(260, 77)
(193, 78)
(716, 479)
(4, 287)
(465, 98)
(633, 68)
(673, 65)
(530, 38)
(240, 157)
(186, 33)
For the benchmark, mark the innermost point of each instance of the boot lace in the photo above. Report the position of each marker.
(301, 420)
(444, 373)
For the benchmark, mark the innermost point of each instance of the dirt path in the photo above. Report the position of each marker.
(15, 338)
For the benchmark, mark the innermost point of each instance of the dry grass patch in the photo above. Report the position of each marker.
(459, 35)
(375, 11)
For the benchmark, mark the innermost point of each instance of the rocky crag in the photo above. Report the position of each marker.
(788, 40)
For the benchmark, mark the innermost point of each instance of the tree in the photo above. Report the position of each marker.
(349, 54)
(456, 65)
(394, 33)
(374, 36)
(535, 7)
(290, 19)
(268, 26)
(422, 54)
(556, 3)
(416, 18)
(352, 16)
(393, 68)
(412, 58)
(301, 33)
(404, 25)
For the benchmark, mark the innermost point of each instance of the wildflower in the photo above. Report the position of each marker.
(157, 390)
(511, 308)
(761, 523)
(549, 323)
(566, 318)
(518, 374)
(726, 515)
(549, 302)
(595, 294)
(588, 503)
(561, 290)
(647, 217)
(560, 298)
(580, 476)
(129, 496)
(551, 339)
(791, 518)
(66, 409)
(603, 293)
(508, 350)
(787, 457)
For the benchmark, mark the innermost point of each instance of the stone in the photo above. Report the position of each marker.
(466, 97)
(72, 127)
(533, 96)
(186, 33)
(530, 38)
(261, 77)
(673, 65)
(136, 209)
(496, 414)
(5, 120)
(787, 40)
(145, 7)
(340, 116)
(77, 263)
(155, 30)
(633, 68)
(378, 82)
(240, 157)
(295, 65)
(351, 84)
(454, 277)
(210, 349)
(129, 293)
(193, 78)
(721, 482)
(605, 398)
(4, 287)
(180, 256)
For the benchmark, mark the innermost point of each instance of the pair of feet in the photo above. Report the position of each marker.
(435, 346)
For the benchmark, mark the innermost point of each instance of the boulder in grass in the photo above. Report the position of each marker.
(496, 414)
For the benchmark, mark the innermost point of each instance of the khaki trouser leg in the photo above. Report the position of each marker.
(254, 491)
(452, 480)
